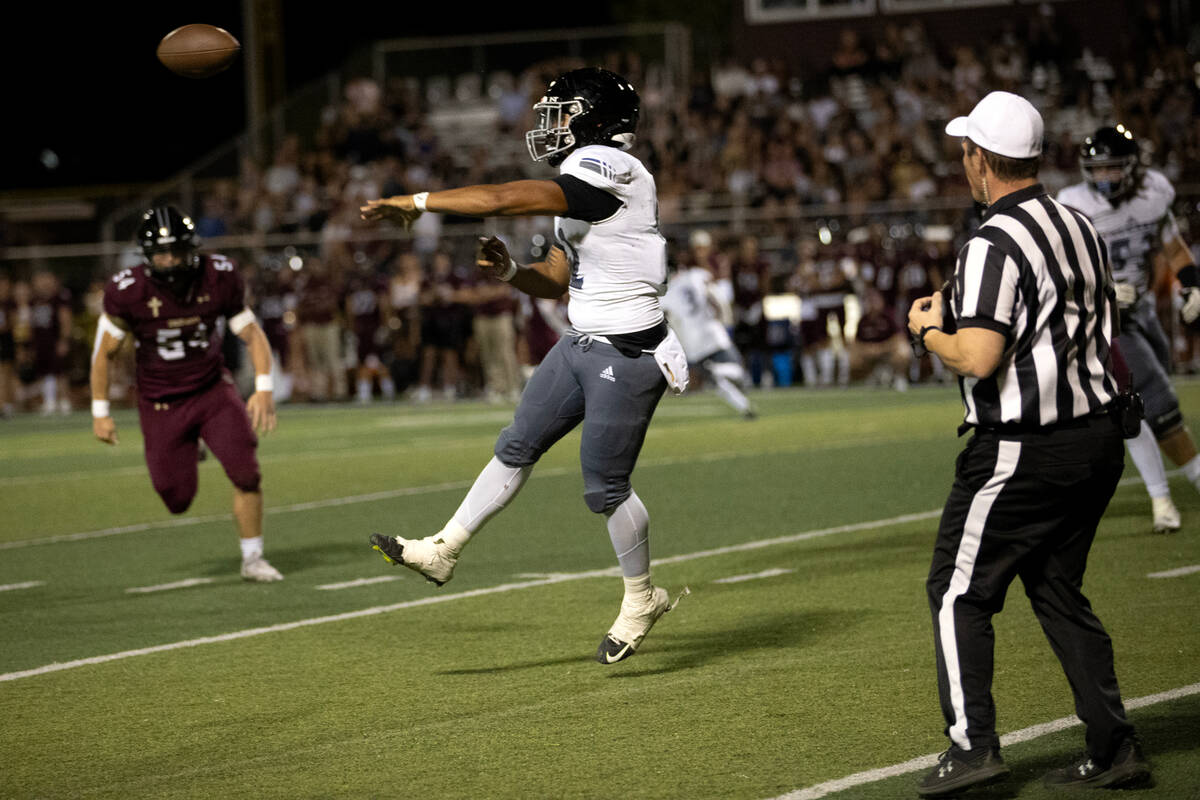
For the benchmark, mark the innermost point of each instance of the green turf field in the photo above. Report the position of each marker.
(802, 658)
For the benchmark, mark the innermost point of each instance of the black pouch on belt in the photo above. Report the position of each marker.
(1129, 411)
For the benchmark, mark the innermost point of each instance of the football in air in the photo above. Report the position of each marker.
(198, 51)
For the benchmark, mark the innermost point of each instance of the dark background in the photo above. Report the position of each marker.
(83, 81)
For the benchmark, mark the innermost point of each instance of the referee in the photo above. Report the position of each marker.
(1027, 328)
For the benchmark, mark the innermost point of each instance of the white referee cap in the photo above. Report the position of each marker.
(1004, 123)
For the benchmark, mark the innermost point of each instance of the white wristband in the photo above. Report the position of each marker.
(419, 200)
(101, 409)
(263, 383)
(512, 270)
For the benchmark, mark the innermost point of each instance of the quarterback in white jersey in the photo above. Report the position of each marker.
(1131, 209)
(694, 307)
(618, 264)
(610, 368)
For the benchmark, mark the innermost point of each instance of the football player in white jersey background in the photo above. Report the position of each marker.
(1131, 209)
(610, 369)
(695, 307)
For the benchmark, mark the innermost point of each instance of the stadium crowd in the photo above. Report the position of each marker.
(840, 169)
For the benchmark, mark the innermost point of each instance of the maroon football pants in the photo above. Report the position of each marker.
(172, 432)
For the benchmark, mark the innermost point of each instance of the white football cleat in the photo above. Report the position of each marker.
(257, 569)
(1166, 515)
(430, 556)
(637, 617)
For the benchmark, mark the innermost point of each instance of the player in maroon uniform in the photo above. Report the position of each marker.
(172, 307)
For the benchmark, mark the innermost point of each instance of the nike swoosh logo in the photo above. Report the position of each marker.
(386, 557)
(611, 659)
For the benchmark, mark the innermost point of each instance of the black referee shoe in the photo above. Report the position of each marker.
(1128, 768)
(955, 773)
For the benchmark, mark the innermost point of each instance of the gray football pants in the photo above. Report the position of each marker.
(1147, 352)
(588, 381)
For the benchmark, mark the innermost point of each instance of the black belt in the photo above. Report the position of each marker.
(1014, 428)
(631, 345)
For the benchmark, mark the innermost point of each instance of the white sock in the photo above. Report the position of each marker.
(1192, 470)
(1143, 449)
(454, 536)
(388, 387)
(728, 391)
(364, 390)
(252, 548)
(638, 586)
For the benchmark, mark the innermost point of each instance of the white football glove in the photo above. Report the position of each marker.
(1126, 294)
(1191, 304)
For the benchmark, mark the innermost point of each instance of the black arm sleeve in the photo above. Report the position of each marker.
(586, 202)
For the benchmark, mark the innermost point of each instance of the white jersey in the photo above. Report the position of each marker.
(1132, 231)
(618, 265)
(693, 318)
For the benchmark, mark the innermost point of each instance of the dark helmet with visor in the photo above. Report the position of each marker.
(165, 229)
(1110, 161)
(582, 107)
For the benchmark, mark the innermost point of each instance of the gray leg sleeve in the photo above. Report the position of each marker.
(496, 485)
(629, 530)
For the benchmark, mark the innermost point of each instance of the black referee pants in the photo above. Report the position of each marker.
(1025, 505)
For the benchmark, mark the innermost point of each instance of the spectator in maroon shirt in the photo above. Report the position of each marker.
(51, 330)
(880, 347)
(318, 310)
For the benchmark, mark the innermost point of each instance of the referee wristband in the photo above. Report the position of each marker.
(419, 200)
(510, 272)
(263, 383)
(101, 409)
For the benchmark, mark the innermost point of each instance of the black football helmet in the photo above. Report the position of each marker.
(584, 106)
(1107, 148)
(165, 229)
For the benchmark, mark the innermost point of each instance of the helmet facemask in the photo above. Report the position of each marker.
(551, 137)
(1106, 185)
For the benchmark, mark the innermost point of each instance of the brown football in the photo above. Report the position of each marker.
(198, 51)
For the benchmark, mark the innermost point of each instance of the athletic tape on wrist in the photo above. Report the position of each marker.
(511, 272)
(419, 200)
(101, 409)
(263, 383)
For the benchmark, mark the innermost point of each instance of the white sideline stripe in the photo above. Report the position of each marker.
(766, 573)
(9, 587)
(1175, 573)
(166, 587)
(444, 598)
(333, 587)
(410, 491)
(928, 761)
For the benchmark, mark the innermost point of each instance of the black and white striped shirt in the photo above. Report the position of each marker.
(1037, 272)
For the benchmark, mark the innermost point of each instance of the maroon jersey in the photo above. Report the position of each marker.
(362, 307)
(46, 321)
(178, 342)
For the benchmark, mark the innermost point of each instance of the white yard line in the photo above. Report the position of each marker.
(410, 491)
(333, 587)
(445, 598)
(166, 587)
(1175, 573)
(928, 761)
(12, 587)
(766, 573)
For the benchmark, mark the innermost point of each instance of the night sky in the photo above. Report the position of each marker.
(83, 84)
